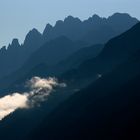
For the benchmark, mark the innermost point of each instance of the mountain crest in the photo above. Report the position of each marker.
(47, 29)
(15, 44)
(71, 19)
(3, 49)
(33, 34)
(96, 17)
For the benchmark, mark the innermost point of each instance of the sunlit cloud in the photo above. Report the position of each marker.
(40, 89)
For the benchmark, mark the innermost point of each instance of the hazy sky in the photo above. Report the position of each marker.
(17, 17)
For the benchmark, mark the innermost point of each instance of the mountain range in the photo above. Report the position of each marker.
(99, 61)
(95, 30)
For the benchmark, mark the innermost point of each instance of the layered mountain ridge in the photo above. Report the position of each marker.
(101, 95)
(95, 30)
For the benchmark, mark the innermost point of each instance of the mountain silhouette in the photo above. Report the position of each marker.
(33, 40)
(95, 30)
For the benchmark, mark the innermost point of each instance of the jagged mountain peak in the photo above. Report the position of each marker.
(70, 19)
(95, 17)
(47, 29)
(33, 34)
(121, 16)
(34, 31)
(15, 44)
(74, 28)
(3, 49)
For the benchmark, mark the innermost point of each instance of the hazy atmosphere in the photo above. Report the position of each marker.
(19, 16)
(69, 69)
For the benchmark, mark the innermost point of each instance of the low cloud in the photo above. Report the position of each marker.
(40, 89)
(10, 103)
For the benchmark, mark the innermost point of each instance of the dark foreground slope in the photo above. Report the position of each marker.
(109, 107)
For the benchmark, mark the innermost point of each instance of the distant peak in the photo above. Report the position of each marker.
(121, 14)
(33, 36)
(59, 22)
(122, 17)
(117, 15)
(34, 31)
(47, 29)
(49, 26)
(15, 42)
(95, 16)
(71, 19)
(3, 49)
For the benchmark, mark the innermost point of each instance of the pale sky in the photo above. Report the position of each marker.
(17, 17)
